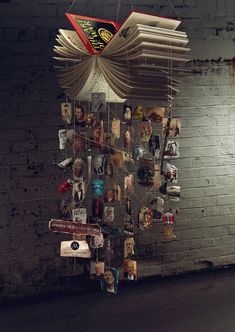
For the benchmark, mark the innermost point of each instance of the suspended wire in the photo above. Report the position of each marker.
(173, 7)
(71, 6)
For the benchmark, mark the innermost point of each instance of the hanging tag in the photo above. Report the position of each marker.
(171, 173)
(97, 241)
(75, 249)
(127, 114)
(128, 138)
(78, 192)
(145, 130)
(145, 218)
(98, 134)
(98, 102)
(96, 270)
(128, 184)
(63, 164)
(66, 112)
(129, 245)
(172, 150)
(110, 281)
(108, 214)
(80, 116)
(79, 169)
(116, 128)
(138, 113)
(128, 225)
(99, 164)
(62, 134)
(172, 128)
(155, 114)
(130, 269)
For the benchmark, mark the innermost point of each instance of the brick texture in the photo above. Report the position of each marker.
(30, 98)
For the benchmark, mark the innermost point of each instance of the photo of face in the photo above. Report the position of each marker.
(80, 116)
(127, 114)
(171, 173)
(99, 164)
(78, 192)
(96, 270)
(172, 127)
(128, 184)
(109, 169)
(66, 112)
(145, 130)
(98, 133)
(77, 141)
(128, 225)
(109, 195)
(108, 214)
(110, 280)
(128, 138)
(130, 269)
(62, 133)
(129, 247)
(78, 168)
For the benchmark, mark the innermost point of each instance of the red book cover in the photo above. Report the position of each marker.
(94, 32)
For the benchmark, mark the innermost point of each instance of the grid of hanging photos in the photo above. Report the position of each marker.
(117, 180)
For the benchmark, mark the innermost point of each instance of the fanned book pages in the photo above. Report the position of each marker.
(142, 59)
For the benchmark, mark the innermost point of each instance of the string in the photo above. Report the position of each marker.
(71, 6)
(118, 8)
(172, 6)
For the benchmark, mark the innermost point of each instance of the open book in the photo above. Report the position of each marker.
(142, 59)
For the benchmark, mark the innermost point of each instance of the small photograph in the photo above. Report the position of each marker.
(108, 144)
(154, 146)
(97, 187)
(117, 160)
(171, 128)
(99, 164)
(96, 270)
(116, 128)
(128, 184)
(145, 174)
(98, 102)
(80, 116)
(78, 192)
(62, 134)
(79, 169)
(109, 195)
(145, 218)
(155, 114)
(109, 282)
(117, 192)
(138, 152)
(129, 245)
(130, 269)
(168, 218)
(127, 114)
(128, 206)
(145, 130)
(138, 113)
(98, 134)
(77, 141)
(66, 112)
(128, 225)
(79, 215)
(129, 162)
(171, 173)
(65, 163)
(172, 150)
(65, 210)
(97, 208)
(97, 241)
(128, 138)
(108, 214)
(173, 192)
(108, 169)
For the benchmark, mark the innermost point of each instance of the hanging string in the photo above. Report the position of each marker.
(172, 6)
(118, 9)
(71, 6)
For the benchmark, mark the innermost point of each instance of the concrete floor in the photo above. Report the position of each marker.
(193, 303)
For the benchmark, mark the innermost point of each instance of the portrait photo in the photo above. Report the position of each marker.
(145, 129)
(98, 134)
(66, 112)
(109, 282)
(98, 102)
(130, 269)
(62, 134)
(96, 270)
(172, 127)
(127, 114)
(80, 116)
(128, 138)
(172, 149)
(108, 214)
(79, 169)
(129, 245)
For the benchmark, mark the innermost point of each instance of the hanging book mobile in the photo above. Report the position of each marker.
(131, 61)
